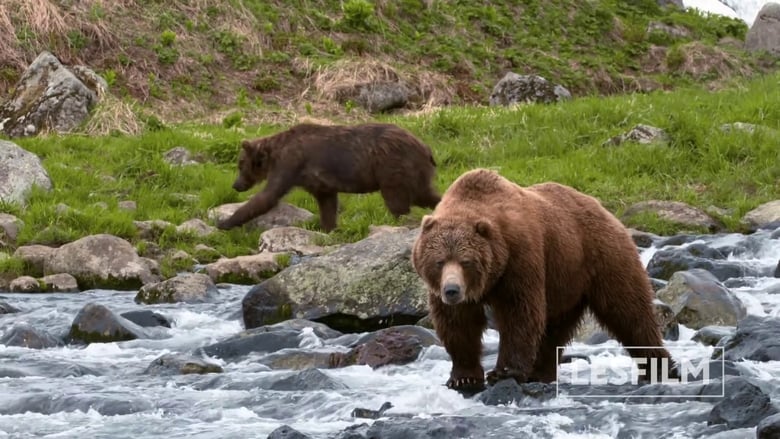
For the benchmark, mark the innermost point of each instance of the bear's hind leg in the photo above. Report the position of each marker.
(329, 205)
(460, 328)
(628, 314)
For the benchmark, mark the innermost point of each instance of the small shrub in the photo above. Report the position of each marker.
(233, 119)
(358, 15)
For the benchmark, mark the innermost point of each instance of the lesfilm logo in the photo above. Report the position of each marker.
(609, 372)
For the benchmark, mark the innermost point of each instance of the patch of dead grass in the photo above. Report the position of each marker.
(701, 61)
(113, 115)
(341, 80)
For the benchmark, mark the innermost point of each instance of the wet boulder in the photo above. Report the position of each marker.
(185, 287)
(743, 405)
(698, 299)
(395, 345)
(146, 318)
(359, 287)
(95, 323)
(756, 338)
(178, 364)
(26, 336)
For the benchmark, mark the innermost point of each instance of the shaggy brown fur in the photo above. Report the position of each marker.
(326, 160)
(538, 256)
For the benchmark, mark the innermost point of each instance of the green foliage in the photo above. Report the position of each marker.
(358, 15)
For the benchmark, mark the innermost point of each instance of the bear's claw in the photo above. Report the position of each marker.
(466, 385)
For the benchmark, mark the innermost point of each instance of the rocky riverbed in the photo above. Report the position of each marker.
(268, 360)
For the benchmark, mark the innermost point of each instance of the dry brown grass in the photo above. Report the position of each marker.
(342, 80)
(113, 115)
(701, 62)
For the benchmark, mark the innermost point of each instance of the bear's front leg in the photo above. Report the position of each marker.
(521, 324)
(460, 328)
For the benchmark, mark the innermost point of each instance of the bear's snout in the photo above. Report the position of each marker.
(451, 292)
(453, 286)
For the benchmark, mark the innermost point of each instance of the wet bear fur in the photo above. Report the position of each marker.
(538, 256)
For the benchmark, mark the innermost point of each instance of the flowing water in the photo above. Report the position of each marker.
(101, 391)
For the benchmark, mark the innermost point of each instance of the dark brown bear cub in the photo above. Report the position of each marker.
(326, 160)
(539, 256)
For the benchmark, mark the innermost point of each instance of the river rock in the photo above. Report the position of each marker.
(756, 338)
(59, 283)
(743, 405)
(268, 339)
(769, 427)
(6, 308)
(282, 215)
(34, 257)
(519, 89)
(699, 299)
(248, 269)
(185, 287)
(299, 359)
(95, 323)
(101, 261)
(359, 287)
(46, 403)
(414, 428)
(24, 335)
(765, 215)
(178, 364)
(20, 171)
(24, 284)
(295, 240)
(711, 335)
(146, 318)
(287, 432)
(50, 97)
(667, 261)
(395, 345)
(307, 380)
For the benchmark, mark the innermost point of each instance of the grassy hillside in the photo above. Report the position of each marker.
(701, 165)
(270, 60)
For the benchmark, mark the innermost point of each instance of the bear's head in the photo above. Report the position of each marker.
(459, 259)
(253, 163)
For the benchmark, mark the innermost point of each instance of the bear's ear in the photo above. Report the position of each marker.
(483, 228)
(428, 222)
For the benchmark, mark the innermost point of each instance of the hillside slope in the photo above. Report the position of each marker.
(192, 58)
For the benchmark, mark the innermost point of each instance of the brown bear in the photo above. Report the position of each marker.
(538, 256)
(325, 160)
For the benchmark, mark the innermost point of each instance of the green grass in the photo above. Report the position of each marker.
(701, 165)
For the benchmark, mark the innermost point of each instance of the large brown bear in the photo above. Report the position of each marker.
(538, 256)
(326, 160)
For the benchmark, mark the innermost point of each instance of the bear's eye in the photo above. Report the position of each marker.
(467, 263)
(440, 263)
